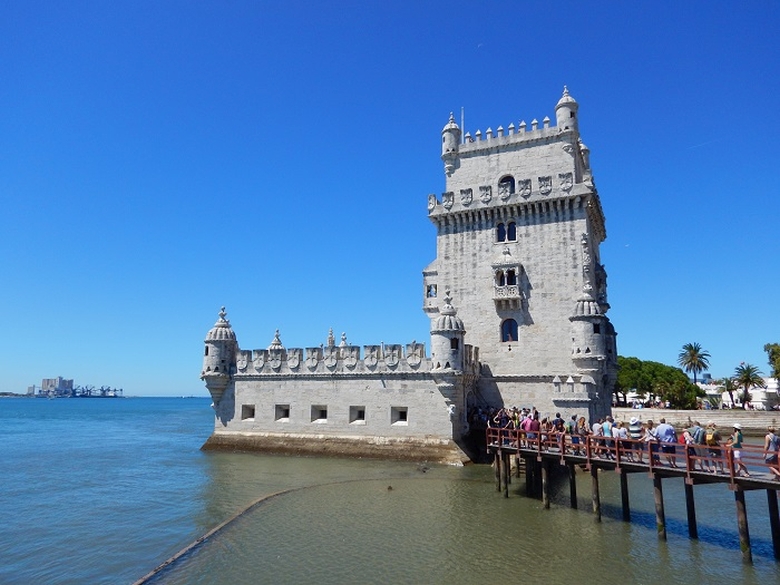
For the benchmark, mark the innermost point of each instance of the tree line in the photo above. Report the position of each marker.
(656, 381)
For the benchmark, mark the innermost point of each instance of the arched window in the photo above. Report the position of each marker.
(509, 330)
(511, 231)
(500, 280)
(511, 277)
(500, 232)
(506, 186)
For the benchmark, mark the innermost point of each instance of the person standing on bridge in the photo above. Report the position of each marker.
(735, 442)
(712, 439)
(635, 434)
(668, 438)
(771, 448)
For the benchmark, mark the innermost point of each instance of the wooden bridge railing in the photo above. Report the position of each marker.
(654, 455)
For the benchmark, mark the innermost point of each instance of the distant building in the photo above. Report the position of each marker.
(56, 387)
(761, 398)
(517, 274)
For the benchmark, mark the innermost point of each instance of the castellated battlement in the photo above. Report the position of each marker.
(333, 359)
(511, 135)
(341, 360)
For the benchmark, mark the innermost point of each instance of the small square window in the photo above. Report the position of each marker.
(357, 415)
(282, 413)
(319, 413)
(247, 412)
(399, 415)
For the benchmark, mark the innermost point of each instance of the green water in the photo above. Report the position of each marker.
(382, 522)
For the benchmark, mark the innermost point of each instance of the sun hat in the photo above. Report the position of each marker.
(633, 420)
(738, 426)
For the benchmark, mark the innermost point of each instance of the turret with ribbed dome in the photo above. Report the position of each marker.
(219, 357)
(450, 140)
(566, 112)
(447, 332)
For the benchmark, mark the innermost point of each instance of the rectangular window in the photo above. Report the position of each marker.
(319, 413)
(282, 413)
(247, 412)
(399, 415)
(596, 328)
(357, 415)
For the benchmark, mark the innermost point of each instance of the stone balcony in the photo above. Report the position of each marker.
(507, 296)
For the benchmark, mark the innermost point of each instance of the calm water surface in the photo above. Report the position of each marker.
(104, 490)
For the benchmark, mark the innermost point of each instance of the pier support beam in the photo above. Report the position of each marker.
(742, 525)
(545, 485)
(529, 475)
(497, 464)
(660, 515)
(690, 507)
(774, 521)
(595, 497)
(572, 484)
(505, 465)
(624, 496)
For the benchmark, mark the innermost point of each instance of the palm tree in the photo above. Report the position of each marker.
(728, 385)
(747, 376)
(694, 359)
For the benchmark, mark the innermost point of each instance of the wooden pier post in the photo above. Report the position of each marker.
(742, 525)
(690, 507)
(497, 463)
(545, 485)
(505, 465)
(624, 496)
(595, 497)
(572, 484)
(660, 515)
(774, 521)
(529, 476)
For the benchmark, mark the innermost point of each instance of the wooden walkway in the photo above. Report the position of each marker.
(540, 451)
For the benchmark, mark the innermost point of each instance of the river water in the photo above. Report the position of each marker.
(105, 490)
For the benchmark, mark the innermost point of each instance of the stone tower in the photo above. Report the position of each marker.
(518, 233)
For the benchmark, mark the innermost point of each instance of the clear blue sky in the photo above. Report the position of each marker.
(161, 159)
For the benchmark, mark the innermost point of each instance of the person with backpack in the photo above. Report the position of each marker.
(712, 439)
(771, 448)
(697, 449)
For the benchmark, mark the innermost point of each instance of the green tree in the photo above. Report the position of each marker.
(656, 379)
(747, 376)
(728, 385)
(773, 352)
(694, 359)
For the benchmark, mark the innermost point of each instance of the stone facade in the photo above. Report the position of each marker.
(517, 275)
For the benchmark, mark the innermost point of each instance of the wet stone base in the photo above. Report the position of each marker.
(407, 449)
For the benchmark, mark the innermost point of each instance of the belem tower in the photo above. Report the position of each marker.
(517, 299)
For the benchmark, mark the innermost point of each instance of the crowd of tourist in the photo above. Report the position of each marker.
(705, 446)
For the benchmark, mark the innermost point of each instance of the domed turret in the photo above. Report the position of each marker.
(220, 357)
(566, 112)
(447, 332)
(450, 141)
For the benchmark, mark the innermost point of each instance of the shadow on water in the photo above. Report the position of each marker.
(710, 506)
